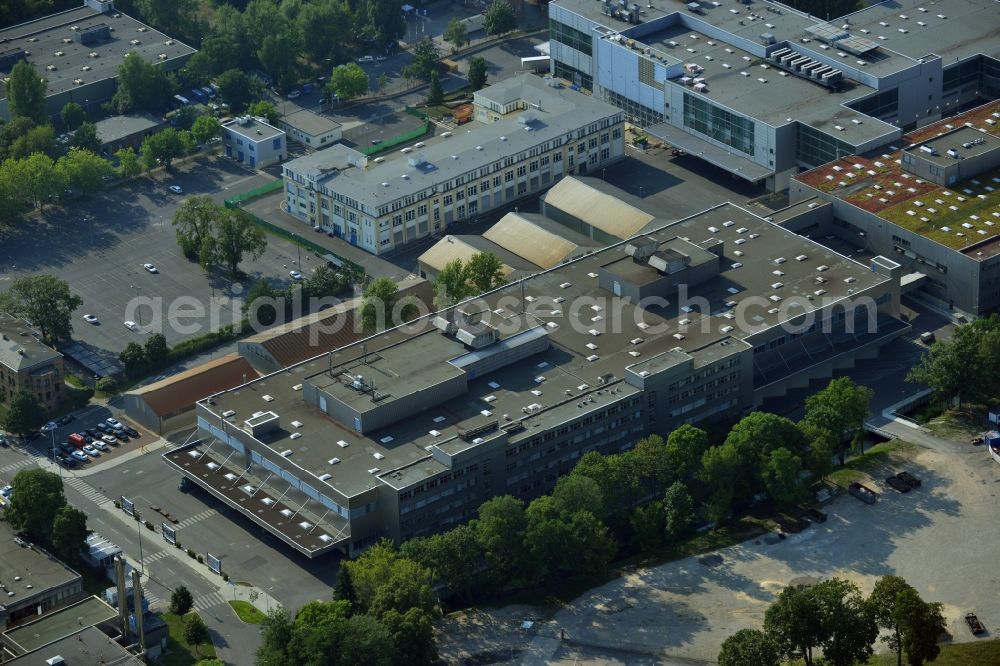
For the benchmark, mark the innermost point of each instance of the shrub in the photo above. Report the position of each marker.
(106, 385)
(201, 560)
(181, 601)
(190, 553)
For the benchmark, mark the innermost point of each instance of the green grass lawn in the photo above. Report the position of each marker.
(858, 467)
(959, 425)
(247, 612)
(976, 653)
(179, 653)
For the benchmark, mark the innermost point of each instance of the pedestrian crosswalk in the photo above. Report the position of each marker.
(210, 600)
(155, 557)
(14, 467)
(191, 520)
(154, 600)
(87, 490)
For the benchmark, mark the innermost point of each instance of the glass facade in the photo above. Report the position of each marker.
(814, 147)
(706, 118)
(962, 74)
(582, 79)
(571, 37)
(881, 105)
(635, 112)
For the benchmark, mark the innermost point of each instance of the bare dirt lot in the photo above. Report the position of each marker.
(941, 538)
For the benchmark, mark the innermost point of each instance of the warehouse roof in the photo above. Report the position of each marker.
(598, 209)
(463, 248)
(176, 392)
(537, 239)
(52, 47)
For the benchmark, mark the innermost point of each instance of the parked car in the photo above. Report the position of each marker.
(130, 325)
(816, 515)
(176, 189)
(68, 462)
(66, 420)
(132, 432)
(295, 275)
(77, 440)
(49, 427)
(80, 455)
(99, 445)
(975, 626)
(112, 421)
(90, 450)
(294, 94)
(110, 439)
(366, 58)
(67, 448)
(90, 319)
(866, 495)
(150, 267)
(927, 338)
(103, 428)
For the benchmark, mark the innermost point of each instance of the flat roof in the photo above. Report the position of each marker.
(311, 123)
(964, 217)
(559, 111)
(254, 129)
(585, 343)
(87, 646)
(34, 567)
(44, 40)
(751, 86)
(61, 623)
(966, 141)
(120, 127)
(21, 347)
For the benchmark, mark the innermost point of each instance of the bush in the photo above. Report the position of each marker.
(106, 385)
(201, 560)
(190, 553)
(149, 526)
(225, 577)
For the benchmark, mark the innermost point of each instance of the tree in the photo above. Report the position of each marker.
(911, 624)
(181, 600)
(26, 93)
(831, 615)
(749, 647)
(459, 280)
(378, 306)
(128, 163)
(193, 222)
(678, 510)
(37, 178)
(260, 304)
(205, 129)
(615, 475)
(781, 473)
(275, 635)
(86, 137)
(499, 18)
(69, 533)
(344, 589)
(34, 502)
(963, 367)
(841, 408)
(752, 439)
(325, 282)
(647, 523)
(684, 450)
(485, 272)
(348, 81)
(83, 170)
(195, 631)
(477, 72)
(566, 543)
(236, 236)
(650, 458)
(24, 413)
(40, 139)
(425, 59)
(385, 21)
(794, 623)
(45, 301)
(921, 623)
(142, 86)
(237, 89)
(161, 148)
(325, 28)
(156, 349)
(720, 470)
(575, 492)
(412, 633)
(435, 95)
(278, 53)
(72, 115)
(133, 357)
(178, 17)
(265, 110)
(11, 131)
(455, 33)
(500, 531)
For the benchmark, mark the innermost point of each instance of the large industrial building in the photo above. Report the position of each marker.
(762, 90)
(932, 203)
(406, 432)
(531, 135)
(78, 52)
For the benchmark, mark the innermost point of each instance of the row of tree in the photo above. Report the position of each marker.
(382, 614)
(967, 367)
(39, 508)
(264, 302)
(833, 617)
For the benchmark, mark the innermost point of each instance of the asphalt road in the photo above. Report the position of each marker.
(99, 243)
(234, 641)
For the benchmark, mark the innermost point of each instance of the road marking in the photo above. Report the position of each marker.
(158, 555)
(87, 490)
(16, 466)
(191, 520)
(210, 600)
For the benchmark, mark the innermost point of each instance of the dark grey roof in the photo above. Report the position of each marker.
(21, 347)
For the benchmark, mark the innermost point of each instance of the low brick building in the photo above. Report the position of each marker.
(28, 364)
